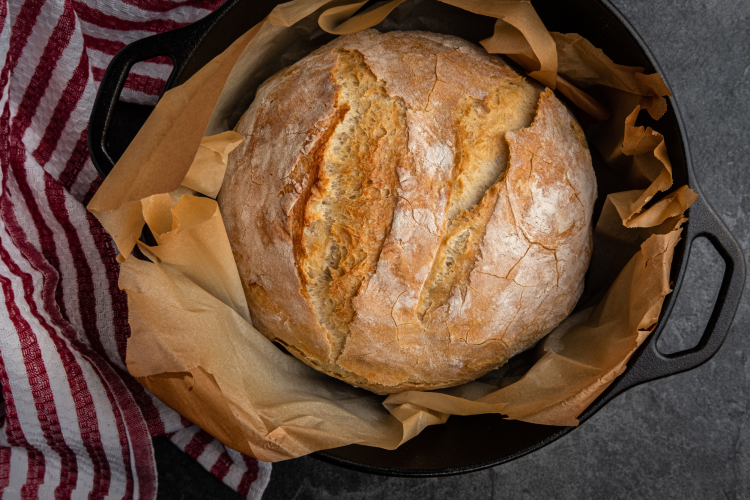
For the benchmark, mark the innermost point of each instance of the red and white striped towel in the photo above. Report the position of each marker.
(76, 424)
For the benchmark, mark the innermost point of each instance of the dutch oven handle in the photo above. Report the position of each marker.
(175, 44)
(649, 363)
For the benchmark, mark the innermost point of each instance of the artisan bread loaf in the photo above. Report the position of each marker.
(406, 211)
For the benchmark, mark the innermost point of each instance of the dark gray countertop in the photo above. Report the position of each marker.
(686, 436)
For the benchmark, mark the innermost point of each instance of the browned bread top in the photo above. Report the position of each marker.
(406, 212)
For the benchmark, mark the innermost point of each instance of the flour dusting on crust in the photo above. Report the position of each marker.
(407, 212)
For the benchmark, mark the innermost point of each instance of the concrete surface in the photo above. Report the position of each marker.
(686, 436)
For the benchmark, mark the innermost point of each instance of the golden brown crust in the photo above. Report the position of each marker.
(397, 219)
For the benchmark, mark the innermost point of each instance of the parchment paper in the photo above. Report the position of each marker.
(192, 342)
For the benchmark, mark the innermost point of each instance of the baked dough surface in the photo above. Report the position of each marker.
(407, 212)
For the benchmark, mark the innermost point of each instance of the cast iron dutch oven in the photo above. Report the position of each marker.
(463, 444)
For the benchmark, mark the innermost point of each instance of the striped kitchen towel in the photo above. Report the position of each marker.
(75, 423)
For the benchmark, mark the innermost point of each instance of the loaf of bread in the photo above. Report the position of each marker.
(406, 211)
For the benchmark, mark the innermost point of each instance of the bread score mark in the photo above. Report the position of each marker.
(480, 164)
(350, 209)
